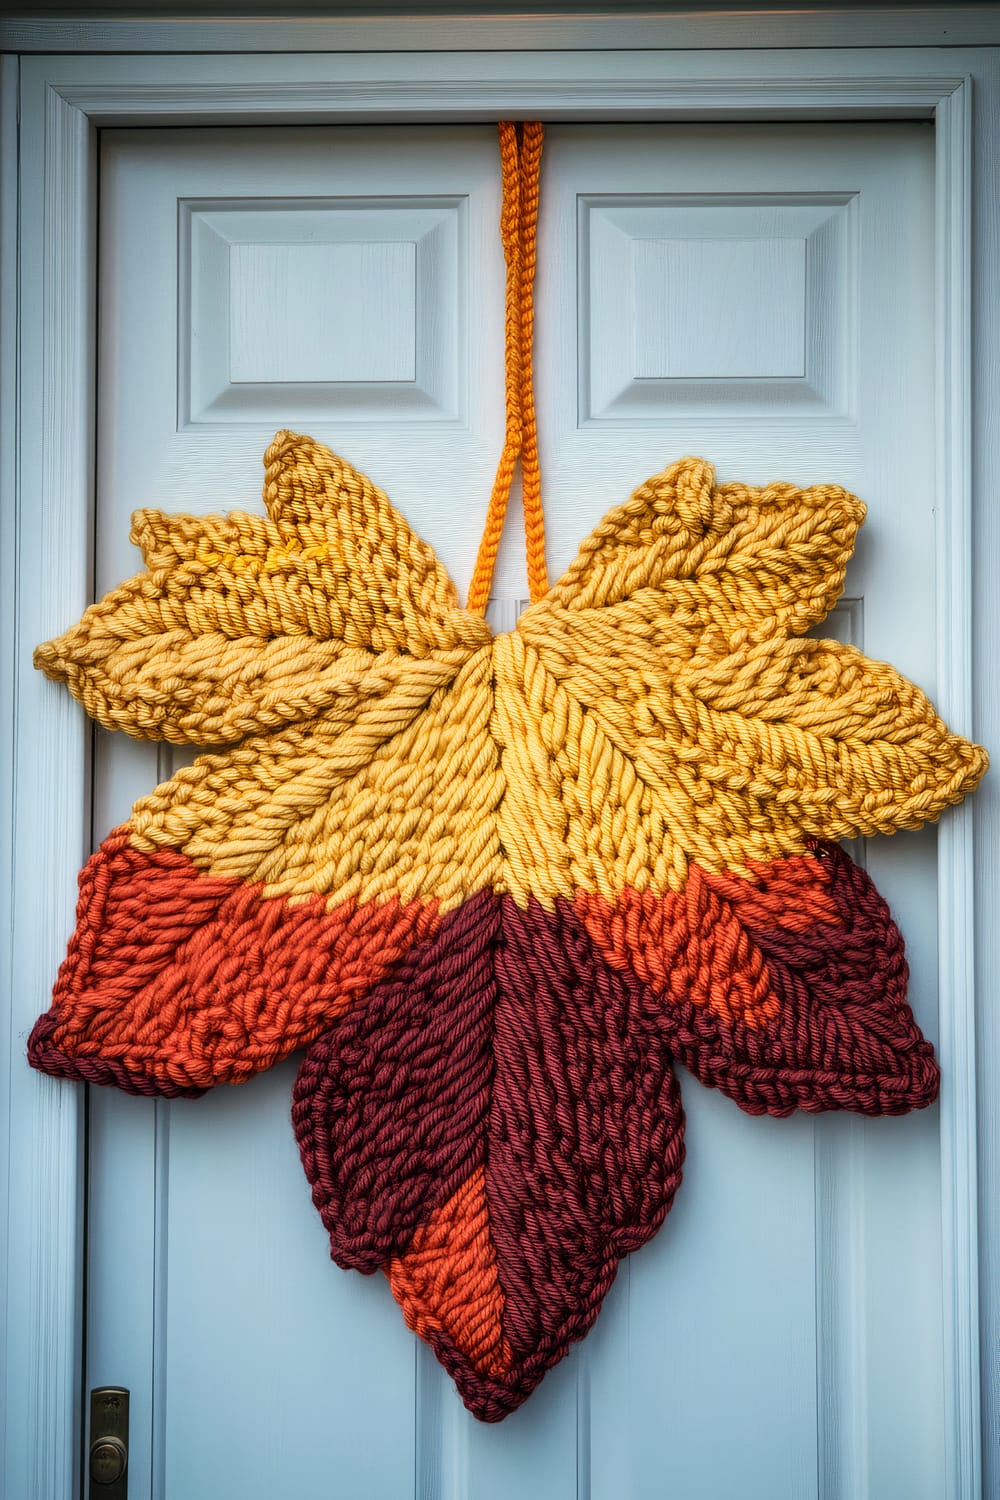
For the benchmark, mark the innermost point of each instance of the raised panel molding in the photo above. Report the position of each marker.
(349, 310)
(704, 270)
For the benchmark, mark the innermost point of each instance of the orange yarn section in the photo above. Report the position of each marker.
(447, 1281)
(696, 946)
(520, 156)
(176, 980)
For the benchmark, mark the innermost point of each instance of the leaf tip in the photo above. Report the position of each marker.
(977, 764)
(147, 529)
(850, 512)
(53, 658)
(691, 484)
(283, 440)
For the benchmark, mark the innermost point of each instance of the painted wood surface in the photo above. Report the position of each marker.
(232, 27)
(784, 1332)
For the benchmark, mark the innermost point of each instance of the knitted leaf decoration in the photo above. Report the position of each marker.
(498, 885)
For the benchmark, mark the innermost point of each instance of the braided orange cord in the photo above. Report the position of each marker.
(531, 478)
(520, 157)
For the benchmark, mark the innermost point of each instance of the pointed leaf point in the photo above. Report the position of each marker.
(690, 483)
(446, 1282)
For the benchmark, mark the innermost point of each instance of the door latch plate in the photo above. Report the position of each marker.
(108, 1443)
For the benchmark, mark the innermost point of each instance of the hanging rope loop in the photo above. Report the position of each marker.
(520, 159)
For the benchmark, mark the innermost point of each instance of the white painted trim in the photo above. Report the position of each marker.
(481, 86)
(50, 516)
(50, 498)
(986, 804)
(766, 27)
(956, 891)
(8, 608)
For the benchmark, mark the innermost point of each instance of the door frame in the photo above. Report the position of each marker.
(47, 322)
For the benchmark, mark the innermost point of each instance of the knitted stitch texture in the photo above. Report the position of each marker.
(496, 885)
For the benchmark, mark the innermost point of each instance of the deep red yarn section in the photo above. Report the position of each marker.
(525, 1041)
(843, 1035)
(389, 1105)
(502, 1042)
(509, 1066)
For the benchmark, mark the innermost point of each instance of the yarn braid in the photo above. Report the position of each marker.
(521, 156)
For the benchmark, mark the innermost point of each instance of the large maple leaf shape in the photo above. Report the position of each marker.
(496, 885)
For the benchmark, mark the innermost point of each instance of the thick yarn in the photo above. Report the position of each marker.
(520, 160)
(497, 885)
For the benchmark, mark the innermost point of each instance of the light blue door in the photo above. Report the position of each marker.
(759, 295)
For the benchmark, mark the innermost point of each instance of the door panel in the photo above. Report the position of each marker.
(758, 295)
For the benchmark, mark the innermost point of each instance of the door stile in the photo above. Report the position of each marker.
(956, 893)
(49, 507)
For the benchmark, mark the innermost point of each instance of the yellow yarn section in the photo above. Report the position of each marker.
(274, 560)
(660, 706)
(576, 814)
(243, 624)
(652, 763)
(727, 555)
(384, 586)
(208, 690)
(399, 802)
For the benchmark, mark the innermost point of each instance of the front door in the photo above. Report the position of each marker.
(759, 295)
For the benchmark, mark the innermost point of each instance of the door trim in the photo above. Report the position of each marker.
(408, 27)
(47, 517)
